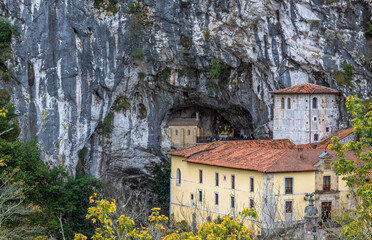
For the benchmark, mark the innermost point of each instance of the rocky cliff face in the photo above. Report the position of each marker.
(74, 62)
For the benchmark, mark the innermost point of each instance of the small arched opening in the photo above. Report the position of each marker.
(178, 177)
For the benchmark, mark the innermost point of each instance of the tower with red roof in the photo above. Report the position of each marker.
(305, 113)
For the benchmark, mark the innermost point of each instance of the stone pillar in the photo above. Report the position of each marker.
(311, 217)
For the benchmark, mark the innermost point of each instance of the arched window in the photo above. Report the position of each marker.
(176, 132)
(188, 132)
(178, 177)
(315, 103)
(282, 102)
(289, 103)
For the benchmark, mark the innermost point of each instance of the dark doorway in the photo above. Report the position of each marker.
(326, 211)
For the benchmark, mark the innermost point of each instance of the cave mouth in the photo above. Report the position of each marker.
(188, 125)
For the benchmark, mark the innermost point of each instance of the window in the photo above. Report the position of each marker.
(251, 184)
(251, 203)
(192, 199)
(188, 132)
(178, 176)
(282, 102)
(316, 137)
(289, 103)
(315, 103)
(224, 177)
(217, 179)
(326, 183)
(288, 206)
(200, 176)
(232, 201)
(232, 181)
(327, 129)
(288, 185)
(176, 132)
(200, 196)
(215, 198)
(315, 119)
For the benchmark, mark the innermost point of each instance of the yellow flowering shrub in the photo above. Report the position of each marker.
(123, 228)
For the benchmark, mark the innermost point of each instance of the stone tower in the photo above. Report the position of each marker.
(305, 113)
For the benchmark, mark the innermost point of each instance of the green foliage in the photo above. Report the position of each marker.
(207, 34)
(165, 74)
(58, 196)
(107, 125)
(82, 153)
(138, 54)
(216, 68)
(107, 5)
(140, 18)
(162, 183)
(4, 97)
(111, 226)
(186, 43)
(348, 70)
(368, 31)
(344, 78)
(141, 76)
(185, 3)
(122, 103)
(67, 198)
(7, 30)
(357, 223)
(212, 87)
(134, 7)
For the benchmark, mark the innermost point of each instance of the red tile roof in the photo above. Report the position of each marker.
(261, 160)
(269, 156)
(307, 88)
(340, 134)
(307, 146)
(269, 143)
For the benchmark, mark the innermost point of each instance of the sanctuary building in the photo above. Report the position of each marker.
(222, 178)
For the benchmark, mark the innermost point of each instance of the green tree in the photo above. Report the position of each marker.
(61, 200)
(357, 224)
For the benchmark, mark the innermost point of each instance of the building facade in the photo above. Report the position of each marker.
(183, 132)
(305, 113)
(223, 178)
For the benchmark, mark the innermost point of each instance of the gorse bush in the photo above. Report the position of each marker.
(110, 226)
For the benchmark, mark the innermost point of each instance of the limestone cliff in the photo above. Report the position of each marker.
(74, 62)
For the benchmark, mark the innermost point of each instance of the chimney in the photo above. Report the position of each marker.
(300, 153)
(197, 116)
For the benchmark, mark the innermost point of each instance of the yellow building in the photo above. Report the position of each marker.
(184, 131)
(273, 176)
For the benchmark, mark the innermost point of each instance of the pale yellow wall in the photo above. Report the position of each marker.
(181, 208)
(303, 182)
(183, 138)
(180, 195)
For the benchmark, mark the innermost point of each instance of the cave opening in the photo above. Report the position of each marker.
(190, 125)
